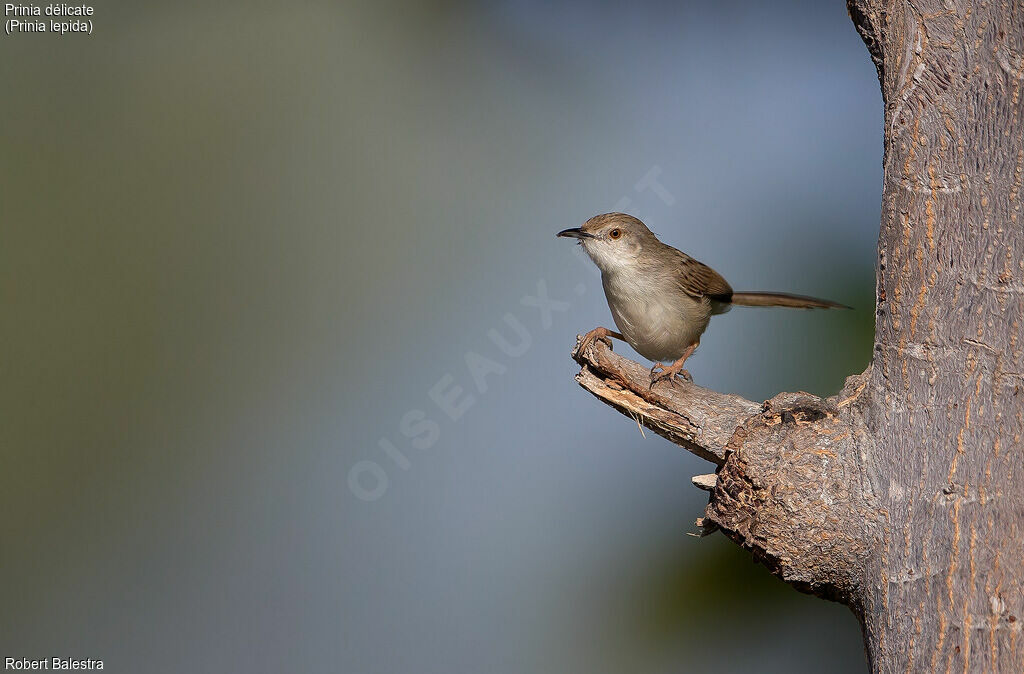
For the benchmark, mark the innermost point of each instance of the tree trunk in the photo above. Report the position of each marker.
(903, 496)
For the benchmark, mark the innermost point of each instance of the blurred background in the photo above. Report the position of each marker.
(285, 342)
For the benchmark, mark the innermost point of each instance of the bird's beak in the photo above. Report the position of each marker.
(576, 233)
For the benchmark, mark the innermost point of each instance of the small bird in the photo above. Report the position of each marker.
(661, 298)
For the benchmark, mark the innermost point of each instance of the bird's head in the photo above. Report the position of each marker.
(613, 241)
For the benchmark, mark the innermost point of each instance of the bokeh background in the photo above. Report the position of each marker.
(241, 242)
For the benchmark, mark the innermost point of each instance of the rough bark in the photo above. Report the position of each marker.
(903, 496)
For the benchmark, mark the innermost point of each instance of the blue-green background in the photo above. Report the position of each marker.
(241, 240)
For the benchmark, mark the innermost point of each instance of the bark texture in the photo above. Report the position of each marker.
(903, 496)
(945, 387)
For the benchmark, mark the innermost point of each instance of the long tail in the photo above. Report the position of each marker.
(757, 299)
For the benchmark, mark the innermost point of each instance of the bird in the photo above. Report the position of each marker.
(661, 299)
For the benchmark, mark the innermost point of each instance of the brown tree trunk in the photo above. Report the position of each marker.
(903, 496)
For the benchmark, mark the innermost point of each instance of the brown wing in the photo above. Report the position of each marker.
(699, 280)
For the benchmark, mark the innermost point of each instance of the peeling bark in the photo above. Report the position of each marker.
(902, 496)
(778, 463)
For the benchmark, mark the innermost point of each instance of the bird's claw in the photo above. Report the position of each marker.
(667, 373)
(597, 334)
(655, 374)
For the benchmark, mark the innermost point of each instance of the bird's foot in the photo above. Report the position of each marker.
(668, 373)
(594, 335)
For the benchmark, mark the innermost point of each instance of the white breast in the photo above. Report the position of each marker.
(658, 320)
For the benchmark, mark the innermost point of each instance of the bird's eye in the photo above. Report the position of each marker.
(615, 233)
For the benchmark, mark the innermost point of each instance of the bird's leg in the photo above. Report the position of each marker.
(675, 368)
(598, 333)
